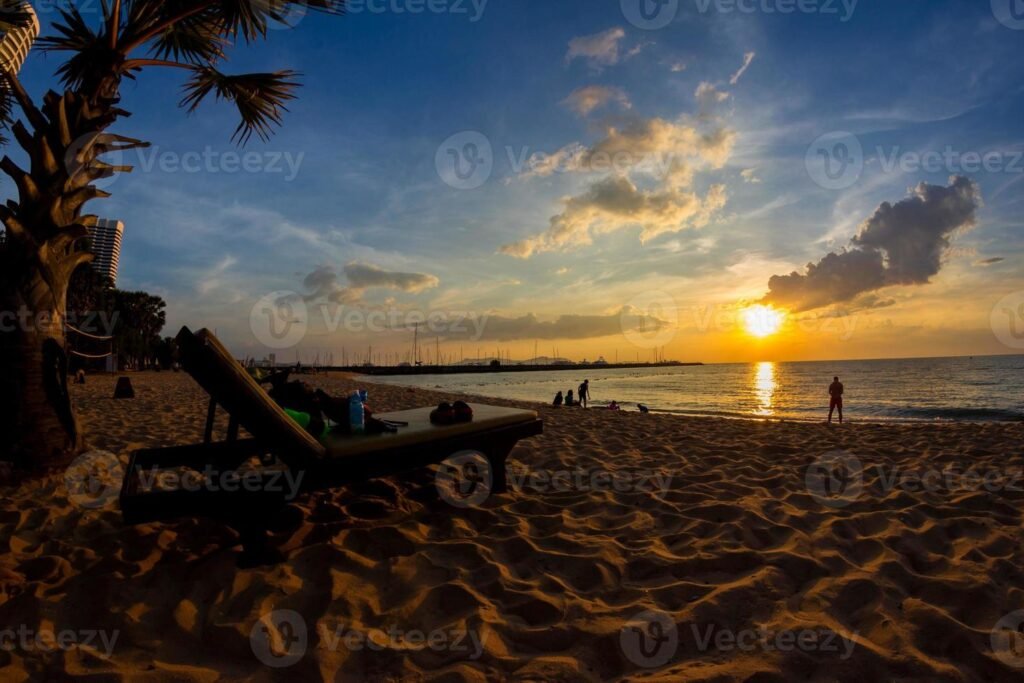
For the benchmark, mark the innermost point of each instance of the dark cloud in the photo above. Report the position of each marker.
(323, 283)
(367, 275)
(501, 328)
(901, 244)
(989, 261)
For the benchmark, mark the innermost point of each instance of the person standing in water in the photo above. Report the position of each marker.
(835, 391)
(583, 394)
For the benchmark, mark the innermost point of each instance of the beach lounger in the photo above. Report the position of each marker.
(285, 449)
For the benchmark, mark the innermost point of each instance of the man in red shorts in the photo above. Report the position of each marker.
(835, 390)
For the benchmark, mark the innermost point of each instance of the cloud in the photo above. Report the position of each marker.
(501, 328)
(615, 203)
(900, 244)
(990, 261)
(670, 152)
(748, 58)
(323, 282)
(366, 275)
(652, 145)
(585, 100)
(708, 96)
(749, 175)
(677, 67)
(213, 279)
(599, 50)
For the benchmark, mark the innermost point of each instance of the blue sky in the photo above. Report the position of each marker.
(384, 90)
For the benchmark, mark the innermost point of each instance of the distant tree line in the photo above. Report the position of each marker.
(134, 320)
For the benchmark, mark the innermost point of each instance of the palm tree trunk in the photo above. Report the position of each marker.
(37, 419)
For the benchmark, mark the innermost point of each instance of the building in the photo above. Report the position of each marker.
(106, 247)
(15, 44)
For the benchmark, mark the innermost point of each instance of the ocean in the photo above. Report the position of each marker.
(981, 388)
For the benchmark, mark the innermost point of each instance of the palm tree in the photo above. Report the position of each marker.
(64, 139)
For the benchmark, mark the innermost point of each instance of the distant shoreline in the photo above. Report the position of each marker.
(484, 369)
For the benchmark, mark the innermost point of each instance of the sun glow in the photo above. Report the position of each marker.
(762, 321)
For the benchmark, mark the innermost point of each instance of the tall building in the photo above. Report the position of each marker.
(15, 44)
(106, 246)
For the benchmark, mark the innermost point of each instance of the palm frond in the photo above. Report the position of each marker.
(259, 97)
(90, 50)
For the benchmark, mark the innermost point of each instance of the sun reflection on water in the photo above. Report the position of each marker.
(765, 386)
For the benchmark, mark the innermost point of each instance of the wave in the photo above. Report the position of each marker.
(956, 414)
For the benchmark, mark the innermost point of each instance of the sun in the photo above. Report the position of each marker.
(762, 321)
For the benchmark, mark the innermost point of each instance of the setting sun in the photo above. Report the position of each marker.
(762, 321)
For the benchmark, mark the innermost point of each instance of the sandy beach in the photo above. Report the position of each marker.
(629, 546)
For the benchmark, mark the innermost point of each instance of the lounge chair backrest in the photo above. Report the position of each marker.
(227, 382)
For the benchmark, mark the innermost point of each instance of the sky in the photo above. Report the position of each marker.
(619, 179)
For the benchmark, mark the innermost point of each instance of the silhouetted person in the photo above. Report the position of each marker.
(835, 391)
(558, 400)
(568, 398)
(584, 393)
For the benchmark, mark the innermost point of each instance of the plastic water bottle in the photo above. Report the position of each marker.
(355, 413)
